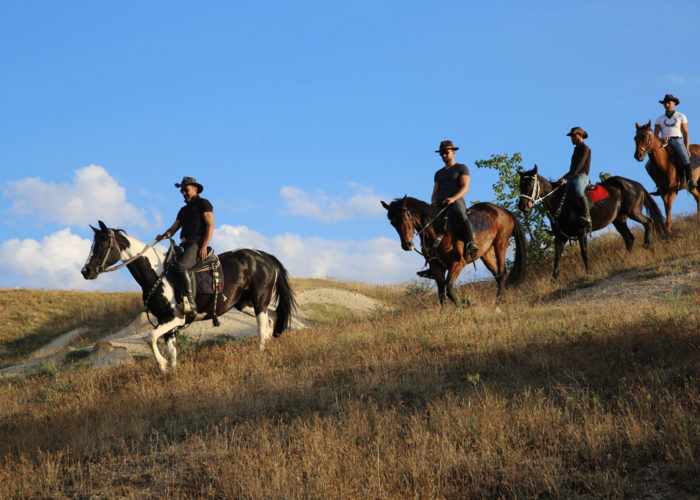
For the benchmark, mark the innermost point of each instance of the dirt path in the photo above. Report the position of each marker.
(130, 341)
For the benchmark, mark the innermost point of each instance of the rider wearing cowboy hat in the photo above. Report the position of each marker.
(451, 183)
(577, 176)
(673, 129)
(196, 219)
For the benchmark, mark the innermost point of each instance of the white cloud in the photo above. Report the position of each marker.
(379, 260)
(318, 206)
(93, 194)
(53, 263)
(676, 78)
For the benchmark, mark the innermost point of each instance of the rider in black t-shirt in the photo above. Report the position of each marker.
(196, 219)
(451, 183)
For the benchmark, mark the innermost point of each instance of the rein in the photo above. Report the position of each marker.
(113, 243)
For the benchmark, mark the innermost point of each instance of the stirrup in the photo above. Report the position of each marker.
(425, 273)
(472, 249)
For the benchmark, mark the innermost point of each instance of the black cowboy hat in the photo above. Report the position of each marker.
(670, 97)
(190, 181)
(578, 130)
(445, 145)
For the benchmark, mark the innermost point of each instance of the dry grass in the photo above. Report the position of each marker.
(53, 312)
(532, 398)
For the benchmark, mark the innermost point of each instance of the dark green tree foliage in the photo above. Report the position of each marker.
(507, 190)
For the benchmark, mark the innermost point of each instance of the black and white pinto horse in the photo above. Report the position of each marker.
(251, 278)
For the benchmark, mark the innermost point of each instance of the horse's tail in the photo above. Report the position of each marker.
(286, 304)
(657, 218)
(517, 273)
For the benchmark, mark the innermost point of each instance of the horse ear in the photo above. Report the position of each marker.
(637, 125)
(648, 125)
(403, 200)
(534, 171)
(384, 204)
(102, 225)
(93, 228)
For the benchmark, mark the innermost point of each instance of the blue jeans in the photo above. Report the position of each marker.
(578, 184)
(678, 146)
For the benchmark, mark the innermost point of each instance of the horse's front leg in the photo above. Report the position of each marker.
(452, 276)
(559, 244)
(668, 204)
(155, 334)
(583, 245)
(438, 273)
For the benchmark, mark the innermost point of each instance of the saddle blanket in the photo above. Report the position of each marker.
(205, 280)
(479, 221)
(694, 161)
(597, 193)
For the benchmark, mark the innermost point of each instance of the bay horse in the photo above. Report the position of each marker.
(447, 254)
(250, 279)
(662, 170)
(625, 199)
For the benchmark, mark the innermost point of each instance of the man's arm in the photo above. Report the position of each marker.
(657, 130)
(209, 221)
(578, 161)
(170, 231)
(684, 131)
(433, 198)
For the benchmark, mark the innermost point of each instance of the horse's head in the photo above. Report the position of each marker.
(402, 220)
(105, 251)
(529, 189)
(643, 141)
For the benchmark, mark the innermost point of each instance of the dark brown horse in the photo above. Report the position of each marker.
(662, 170)
(409, 216)
(625, 199)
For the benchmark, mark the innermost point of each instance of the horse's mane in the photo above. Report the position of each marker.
(415, 205)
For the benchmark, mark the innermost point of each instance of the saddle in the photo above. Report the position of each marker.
(478, 220)
(594, 192)
(208, 274)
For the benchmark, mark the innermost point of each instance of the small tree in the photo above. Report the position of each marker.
(507, 190)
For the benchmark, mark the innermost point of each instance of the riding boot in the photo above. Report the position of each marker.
(585, 218)
(187, 292)
(689, 176)
(472, 248)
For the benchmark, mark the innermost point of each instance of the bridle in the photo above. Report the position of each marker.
(647, 149)
(535, 198)
(113, 244)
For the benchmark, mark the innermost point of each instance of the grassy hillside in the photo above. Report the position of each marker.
(542, 394)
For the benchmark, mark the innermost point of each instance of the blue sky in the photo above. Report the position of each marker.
(298, 117)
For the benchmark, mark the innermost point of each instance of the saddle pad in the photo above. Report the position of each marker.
(694, 161)
(598, 193)
(479, 221)
(204, 280)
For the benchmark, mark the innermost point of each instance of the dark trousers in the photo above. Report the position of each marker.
(189, 257)
(457, 213)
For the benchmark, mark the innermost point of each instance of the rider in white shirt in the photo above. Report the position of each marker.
(672, 128)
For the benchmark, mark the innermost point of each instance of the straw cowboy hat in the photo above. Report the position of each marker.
(191, 181)
(578, 130)
(445, 145)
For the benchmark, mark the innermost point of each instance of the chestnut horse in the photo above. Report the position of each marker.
(662, 170)
(625, 199)
(446, 254)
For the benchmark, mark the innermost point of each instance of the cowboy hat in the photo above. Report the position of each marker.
(670, 97)
(578, 130)
(445, 145)
(190, 181)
